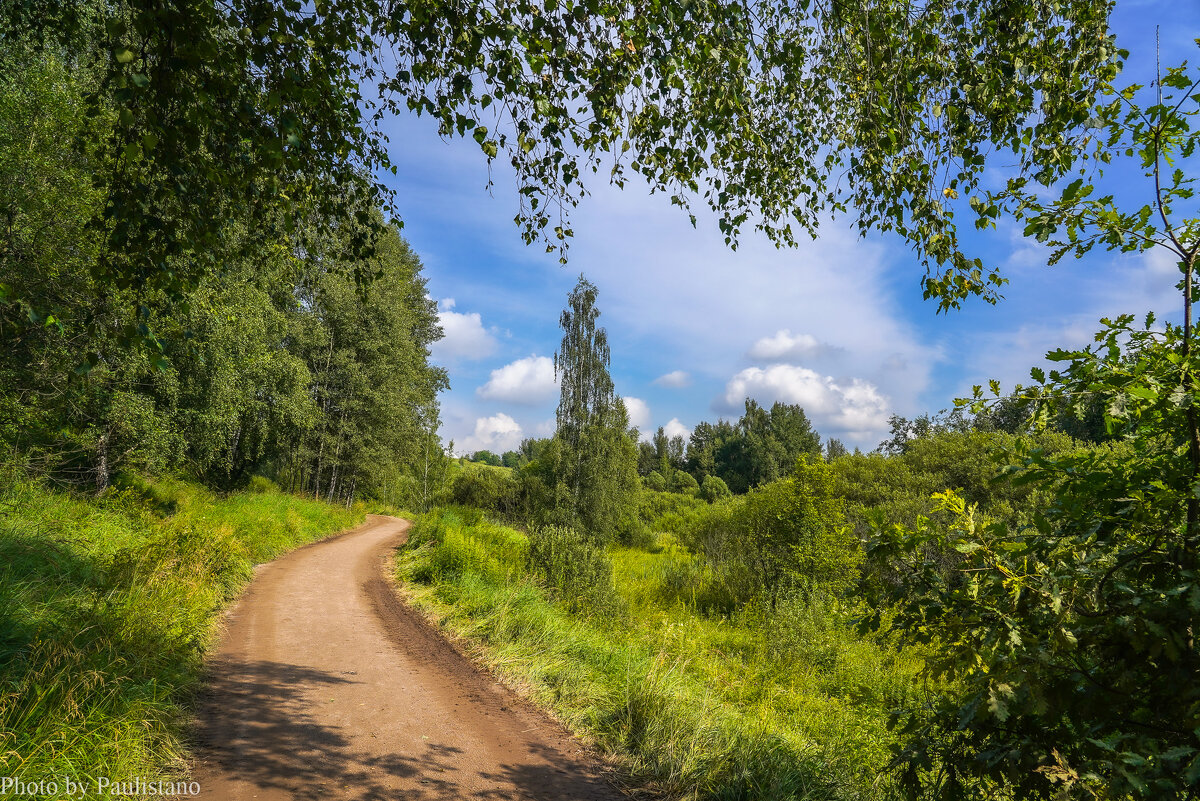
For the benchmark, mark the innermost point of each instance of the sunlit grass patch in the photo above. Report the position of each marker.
(107, 606)
(748, 704)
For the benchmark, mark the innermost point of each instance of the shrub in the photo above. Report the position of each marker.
(669, 511)
(714, 489)
(789, 531)
(261, 485)
(574, 568)
(636, 534)
(491, 489)
(683, 483)
(655, 482)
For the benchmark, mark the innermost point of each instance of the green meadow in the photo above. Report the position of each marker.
(745, 703)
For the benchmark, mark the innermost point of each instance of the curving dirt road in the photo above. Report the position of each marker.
(326, 686)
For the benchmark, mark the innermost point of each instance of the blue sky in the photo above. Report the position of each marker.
(837, 325)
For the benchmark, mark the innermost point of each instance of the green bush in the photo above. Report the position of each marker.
(655, 482)
(714, 489)
(636, 534)
(727, 580)
(881, 492)
(669, 511)
(574, 568)
(261, 485)
(683, 483)
(492, 489)
(789, 531)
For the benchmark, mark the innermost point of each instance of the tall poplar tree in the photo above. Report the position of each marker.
(599, 457)
(581, 365)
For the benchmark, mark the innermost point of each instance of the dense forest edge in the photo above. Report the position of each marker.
(216, 347)
(161, 435)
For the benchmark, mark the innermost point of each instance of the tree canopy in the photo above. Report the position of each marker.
(762, 446)
(772, 114)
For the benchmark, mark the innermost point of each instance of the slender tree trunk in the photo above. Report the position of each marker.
(320, 390)
(337, 454)
(425, 478)
(233, 452)
(102, 463)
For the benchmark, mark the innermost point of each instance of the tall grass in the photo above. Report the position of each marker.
(753, 704)
(107, 606)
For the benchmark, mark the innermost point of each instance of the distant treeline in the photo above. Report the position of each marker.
(764, 443)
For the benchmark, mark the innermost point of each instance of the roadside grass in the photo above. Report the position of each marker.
(752, 704)
(107, 606)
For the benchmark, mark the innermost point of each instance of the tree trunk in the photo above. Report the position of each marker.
(102, 463)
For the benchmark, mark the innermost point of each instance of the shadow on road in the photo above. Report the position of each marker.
(256, 725)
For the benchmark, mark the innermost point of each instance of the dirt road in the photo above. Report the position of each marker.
(328, 687)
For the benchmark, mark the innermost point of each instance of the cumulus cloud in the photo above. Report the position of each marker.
(529, 381)
(639, 250)
(677, 429)
(856, 410)
(463, 335)
(784, 346)
(676, 379)
(639, 413)
(497, 433)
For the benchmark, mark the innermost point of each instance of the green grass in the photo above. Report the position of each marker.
(753, 705)
(107, 607)
(669, 511)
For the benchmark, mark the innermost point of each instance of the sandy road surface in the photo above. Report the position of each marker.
(328, 687)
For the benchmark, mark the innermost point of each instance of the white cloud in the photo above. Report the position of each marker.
(639, 250)
(497, 433)
(798, 300)
(639, 414)
(677, 429)
(857, 411)
(676, 379)
(530, 381)
(463, 335)
(784, 346)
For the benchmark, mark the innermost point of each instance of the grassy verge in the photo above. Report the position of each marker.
(754, 705)
(107, 606)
